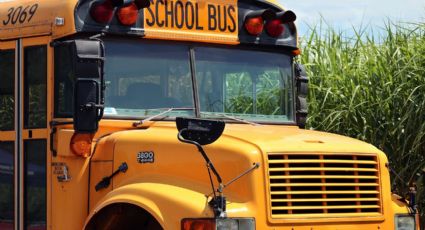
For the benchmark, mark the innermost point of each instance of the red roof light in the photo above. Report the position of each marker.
(102, 12)
(255, 25)
(274, 28)
(127, 15)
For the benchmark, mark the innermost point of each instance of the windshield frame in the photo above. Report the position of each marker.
(192, 61)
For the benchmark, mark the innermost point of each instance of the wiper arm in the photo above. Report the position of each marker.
(167, 110)
(221, 115)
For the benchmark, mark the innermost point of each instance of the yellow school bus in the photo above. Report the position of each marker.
(172, 114)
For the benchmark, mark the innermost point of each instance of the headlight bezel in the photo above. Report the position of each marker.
(399, 217)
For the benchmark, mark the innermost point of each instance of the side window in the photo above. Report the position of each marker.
(35, 87)
(7, 89)
(6, 185)
(64, 82)
(35, 183)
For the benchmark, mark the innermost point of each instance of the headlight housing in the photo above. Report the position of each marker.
(405, 222)
(218, 224)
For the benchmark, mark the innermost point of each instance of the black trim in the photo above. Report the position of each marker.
(194, 82)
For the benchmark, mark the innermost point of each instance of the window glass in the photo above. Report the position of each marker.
(143, 79)
(253, 85)
(64, 82)
(35, 184)
(6, 185)
(35, 86)
(7, 89)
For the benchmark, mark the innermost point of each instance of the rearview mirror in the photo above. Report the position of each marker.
(87, 61)
(202, 131)
(302, 93)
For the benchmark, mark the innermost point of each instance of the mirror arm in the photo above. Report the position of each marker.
(201, 150)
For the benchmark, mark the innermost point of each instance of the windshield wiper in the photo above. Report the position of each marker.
(167, 110)
(222, 115)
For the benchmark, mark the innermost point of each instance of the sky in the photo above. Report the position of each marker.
(346, 14)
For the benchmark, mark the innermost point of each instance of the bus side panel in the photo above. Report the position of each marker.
(69, 197)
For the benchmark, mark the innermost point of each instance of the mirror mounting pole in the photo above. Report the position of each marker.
(218, 202)
(201, 150)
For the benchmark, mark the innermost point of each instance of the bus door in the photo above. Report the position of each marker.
(24, 136)
(8, 133)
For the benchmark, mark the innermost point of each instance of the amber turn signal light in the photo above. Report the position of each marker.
(81, 144)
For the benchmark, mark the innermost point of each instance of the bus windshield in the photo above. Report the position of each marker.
(143, 79)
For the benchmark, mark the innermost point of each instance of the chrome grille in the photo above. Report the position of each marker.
(323, 184)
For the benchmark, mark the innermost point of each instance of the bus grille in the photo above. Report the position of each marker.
(323, 185)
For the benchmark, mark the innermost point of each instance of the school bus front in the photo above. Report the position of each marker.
(172, 114)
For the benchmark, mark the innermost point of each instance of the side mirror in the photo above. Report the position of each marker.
(88, 57)
(201, 131)
(302, 93)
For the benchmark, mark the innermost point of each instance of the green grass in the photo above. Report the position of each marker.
(372, 89)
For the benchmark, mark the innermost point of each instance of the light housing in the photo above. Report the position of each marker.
(286, 16)
(142, 3)
(218, 224)
(127, 15)
(81, 144)
(405, 222)
(254, 20)
(102, 12)
(118, 3)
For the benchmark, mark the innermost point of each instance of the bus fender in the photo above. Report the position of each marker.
(168, 204)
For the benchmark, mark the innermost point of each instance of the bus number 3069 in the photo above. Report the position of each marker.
(20, 14)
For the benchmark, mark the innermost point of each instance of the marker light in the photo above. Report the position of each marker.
(127, 15)
(254, 20)
(102, 12)
(296, 52)
(274, 28)
(198, 224)
(81, 144)
(218, 224)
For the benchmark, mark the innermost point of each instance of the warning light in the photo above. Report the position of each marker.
(102, 12)
(127, 15)
(274, 28)
(254, 20)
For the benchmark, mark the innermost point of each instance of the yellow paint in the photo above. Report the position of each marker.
(213, 21)
(36, 18)
(171, 179)
(175, 185)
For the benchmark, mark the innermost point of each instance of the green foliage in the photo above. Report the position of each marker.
(371, 89)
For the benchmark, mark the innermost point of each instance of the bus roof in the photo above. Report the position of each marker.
(29, 18)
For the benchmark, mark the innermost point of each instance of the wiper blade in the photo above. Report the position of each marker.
(222, 115)
(166, 110)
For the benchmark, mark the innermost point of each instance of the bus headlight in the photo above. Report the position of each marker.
(219, 224)
(404, 222)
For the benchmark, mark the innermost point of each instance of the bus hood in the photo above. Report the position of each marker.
(273, 138)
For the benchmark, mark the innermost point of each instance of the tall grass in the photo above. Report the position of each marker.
(371, 89)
